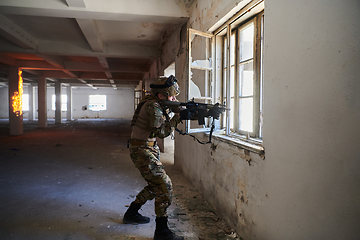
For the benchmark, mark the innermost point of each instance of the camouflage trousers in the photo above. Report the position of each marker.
(159, 186)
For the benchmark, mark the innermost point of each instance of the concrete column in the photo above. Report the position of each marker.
(15, 102)
(69, 112)
(31, 103)
(42, 103)
(57, 102)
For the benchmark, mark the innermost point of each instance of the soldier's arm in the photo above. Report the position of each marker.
(159, 125)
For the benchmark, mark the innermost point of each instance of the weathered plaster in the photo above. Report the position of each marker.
(308, 185)
(204, 14)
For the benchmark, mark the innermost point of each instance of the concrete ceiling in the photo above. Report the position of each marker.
(107, 43)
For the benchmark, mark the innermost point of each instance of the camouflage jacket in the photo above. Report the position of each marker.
(149, 120)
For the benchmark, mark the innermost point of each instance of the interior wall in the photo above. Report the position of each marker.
(311, 116)
(120, 103)
(4, 102)
(220, 171)
(308, 185)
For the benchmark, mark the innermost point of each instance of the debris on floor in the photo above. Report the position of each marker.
(190, 208)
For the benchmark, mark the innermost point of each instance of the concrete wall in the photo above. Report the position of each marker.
(4, 102)
(120, 103)
(308, 185)
(311, 119)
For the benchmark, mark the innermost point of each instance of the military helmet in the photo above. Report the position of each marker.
(165, 86)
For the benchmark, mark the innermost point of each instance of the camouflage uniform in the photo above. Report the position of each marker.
(149, 122)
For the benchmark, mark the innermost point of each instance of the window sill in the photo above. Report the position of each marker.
(252, 145)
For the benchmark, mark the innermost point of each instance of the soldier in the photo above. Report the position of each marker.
(150, 121)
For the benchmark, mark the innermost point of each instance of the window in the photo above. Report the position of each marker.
(63, 102)
(25, 103)
(226, 67)
(239, 43)
(200, 83)
(137, 98)
(97, 102)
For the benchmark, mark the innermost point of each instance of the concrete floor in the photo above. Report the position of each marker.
(75, 180)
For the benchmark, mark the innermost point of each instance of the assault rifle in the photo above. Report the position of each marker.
(199, 110)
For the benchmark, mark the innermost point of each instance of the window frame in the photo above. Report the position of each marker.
(137, 98)
(257, 68)
(254, 10)
(209, 80)
(235, 64)
(248, 140)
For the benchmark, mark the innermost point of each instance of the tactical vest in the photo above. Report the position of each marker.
(141, 122)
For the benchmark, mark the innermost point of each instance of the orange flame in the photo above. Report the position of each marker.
(17, 98)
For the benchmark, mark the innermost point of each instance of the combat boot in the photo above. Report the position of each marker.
(162, 232)
(133, 216)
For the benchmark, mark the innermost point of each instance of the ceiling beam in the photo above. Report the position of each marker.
(88, 75)
(86, 83)
(36, 65)
(91, 32)
(71, 74)
(83, 66)
(127, 50)
(158, 11)
(126, 86)
(31, 72)
(72, 66)
(105, 82)
(56, 62)
(6, 59)
(68, 48)
(103, 62)
(52, 79)
(110, 50)
(57, 74)
(112, 83)
(96, 67)
(75, 3)
(69, 81)
(61, 75)
(15, 34)
(118, 83)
